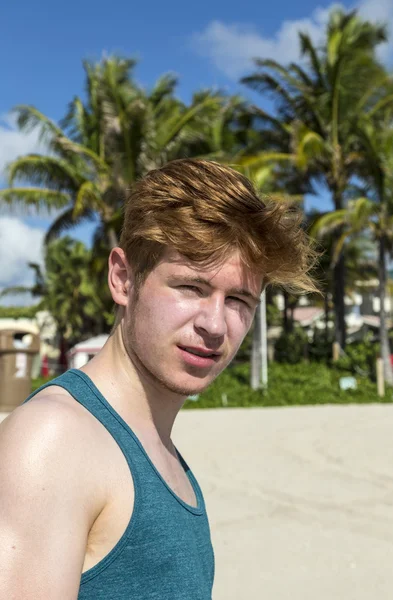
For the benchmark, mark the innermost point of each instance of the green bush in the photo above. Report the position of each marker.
(360, 358)
(291, 347)
(320, 346)
(300, 384)
(273, 315)
(19, 312)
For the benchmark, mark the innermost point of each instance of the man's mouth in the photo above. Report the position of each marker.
(203, 352)
(200, 352)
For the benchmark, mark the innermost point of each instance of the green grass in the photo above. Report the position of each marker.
(38, 382)
(300, 384)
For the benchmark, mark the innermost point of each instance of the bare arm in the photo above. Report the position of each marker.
(47, 502)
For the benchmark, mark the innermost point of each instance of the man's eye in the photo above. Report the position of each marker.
(239, 300)
(190, 288)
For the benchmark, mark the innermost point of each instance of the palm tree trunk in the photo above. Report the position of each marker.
(112, 237)
(63, 349)
(286, 319)
(326, 309)
(340, 328)
(339, 303)
(383, 331)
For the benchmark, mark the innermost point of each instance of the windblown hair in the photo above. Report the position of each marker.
(205, 210)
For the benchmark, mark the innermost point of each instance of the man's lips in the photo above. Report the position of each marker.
(200, 351)
(204, 359)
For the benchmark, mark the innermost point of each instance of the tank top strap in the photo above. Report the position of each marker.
(82, 389)
(143, 470)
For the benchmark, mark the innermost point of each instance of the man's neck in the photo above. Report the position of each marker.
(144, 404)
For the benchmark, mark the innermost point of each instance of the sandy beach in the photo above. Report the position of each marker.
(300, 499)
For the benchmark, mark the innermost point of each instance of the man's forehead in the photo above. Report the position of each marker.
(175, 264)
(174, 259)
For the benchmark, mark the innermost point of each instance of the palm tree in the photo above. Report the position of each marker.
(360, 264)
(318, 103)
(68, 291)
(280, 183)
(101, 147)
(223, 130)
(374, 215)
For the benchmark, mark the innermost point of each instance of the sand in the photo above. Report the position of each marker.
(300, 499)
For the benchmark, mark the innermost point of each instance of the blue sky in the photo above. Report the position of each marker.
(210, 43)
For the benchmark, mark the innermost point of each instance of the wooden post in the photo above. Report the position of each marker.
(336, 351)
(380, 378)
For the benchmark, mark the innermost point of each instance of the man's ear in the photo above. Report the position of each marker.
(119, 276)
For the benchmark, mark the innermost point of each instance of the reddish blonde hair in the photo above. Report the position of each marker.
(205, 210)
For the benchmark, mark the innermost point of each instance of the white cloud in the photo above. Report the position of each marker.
(376, 10)
(19, 244)
(14, 143)
(232, 47)
(380, 11)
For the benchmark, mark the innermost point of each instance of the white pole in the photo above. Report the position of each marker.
(256, 352)
(263, 338)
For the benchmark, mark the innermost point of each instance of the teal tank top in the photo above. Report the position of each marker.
(165, 552)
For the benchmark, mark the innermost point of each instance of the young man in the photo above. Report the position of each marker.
(95, 501)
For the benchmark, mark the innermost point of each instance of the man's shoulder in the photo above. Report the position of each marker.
(51, 436)
(50, 418)
(51, 408)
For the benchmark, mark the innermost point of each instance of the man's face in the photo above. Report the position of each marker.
(187, 323)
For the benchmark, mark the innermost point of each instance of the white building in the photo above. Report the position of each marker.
(81, 353)
(41, 324)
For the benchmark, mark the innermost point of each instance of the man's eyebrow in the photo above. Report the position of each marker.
(244, 292)
(202, 280)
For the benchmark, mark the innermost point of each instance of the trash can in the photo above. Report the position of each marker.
(17, 350)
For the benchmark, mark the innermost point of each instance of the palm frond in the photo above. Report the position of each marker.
(361, 210)
(339, 245)
(164, 88)
(302, 75)
(282, 71)
(174, 125)
(263, 158)
(29, 118)
(75, 120)
(86, 198)
(307, 49)
(65, 222)
(72, 147)
(49, 171)
(265, 117)
(264, 82)
(310, 146)
(15, 290)
(329, 222)
(39, 198)
(382, 104)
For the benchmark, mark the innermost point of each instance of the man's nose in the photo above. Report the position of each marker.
(211, 317)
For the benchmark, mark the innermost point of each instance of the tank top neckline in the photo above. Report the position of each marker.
(199, 509)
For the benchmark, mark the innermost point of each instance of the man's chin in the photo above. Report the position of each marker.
(186, 389)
